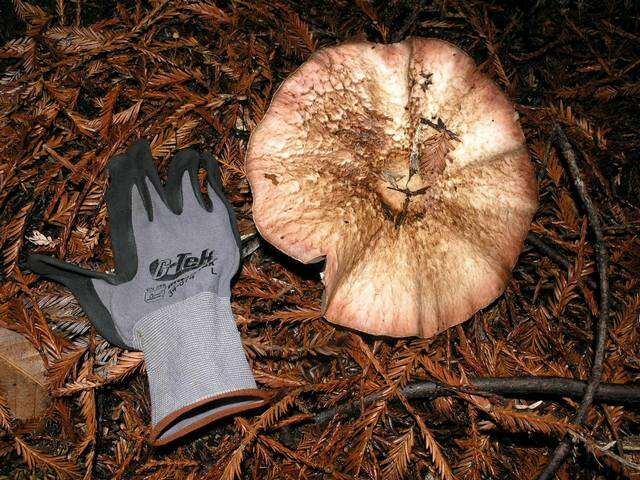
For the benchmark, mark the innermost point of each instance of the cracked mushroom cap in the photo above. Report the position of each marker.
(406, 168)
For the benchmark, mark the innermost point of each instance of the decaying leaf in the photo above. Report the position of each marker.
(22, 375)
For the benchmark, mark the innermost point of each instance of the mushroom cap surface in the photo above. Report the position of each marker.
(405, 167)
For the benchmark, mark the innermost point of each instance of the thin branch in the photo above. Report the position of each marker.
(554, 255)
(604, 450)
(518, 387)
(414, 155)
(603, 315)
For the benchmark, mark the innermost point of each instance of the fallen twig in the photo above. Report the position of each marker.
(604, 450)
(519, 387)
(554, 255)
(603, 315)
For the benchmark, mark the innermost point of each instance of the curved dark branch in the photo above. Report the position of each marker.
(602, 261)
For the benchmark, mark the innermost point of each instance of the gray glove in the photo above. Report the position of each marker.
(175, 252)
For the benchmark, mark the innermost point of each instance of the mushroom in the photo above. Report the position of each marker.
(405, 168)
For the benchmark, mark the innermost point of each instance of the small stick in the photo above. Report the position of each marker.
(414, 155)
(518, 387)
(602, 261)
(614, 431)
(554, 255)
(594, 446)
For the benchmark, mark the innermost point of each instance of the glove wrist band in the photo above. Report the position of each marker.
(196, 365)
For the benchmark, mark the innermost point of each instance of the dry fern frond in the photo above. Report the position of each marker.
(36, 459)
(107, 106)
(64, 366)
(169, 77)
(233, 466)
(362, 433)
(128, 115)
(35, 16)
(210, 12)
(127, 364)
(6, 419)
(432, 446)
(584, 126)
(11, 238)
(476, 460)
(396, 463)
(88, 406)
(76, 39)
(18, 47)
(298, 34)
(516, 421)
(437, 457)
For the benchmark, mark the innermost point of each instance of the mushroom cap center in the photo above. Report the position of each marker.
(401, 190)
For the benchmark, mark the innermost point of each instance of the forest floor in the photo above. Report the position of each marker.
(80, 80)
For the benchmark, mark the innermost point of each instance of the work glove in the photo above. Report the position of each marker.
(175, 252)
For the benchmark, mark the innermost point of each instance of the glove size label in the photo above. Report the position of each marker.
(175, 271)
(154, 294)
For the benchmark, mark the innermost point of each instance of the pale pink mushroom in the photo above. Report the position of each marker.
(406, 168)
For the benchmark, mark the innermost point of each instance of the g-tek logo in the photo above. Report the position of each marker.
(169, 269)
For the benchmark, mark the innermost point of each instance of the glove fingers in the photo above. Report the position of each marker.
(140, 206)
(189, 161)
(133, 168)
(80, 282)
(185, 161)
(192, 199)
(61, 272)
(144, 199)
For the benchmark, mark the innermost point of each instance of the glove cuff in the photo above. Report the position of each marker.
(197, 369)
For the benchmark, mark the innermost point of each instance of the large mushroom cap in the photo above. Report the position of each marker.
(406, 168)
